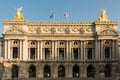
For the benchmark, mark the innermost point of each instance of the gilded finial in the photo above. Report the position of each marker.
(19, 15)
(103, 16)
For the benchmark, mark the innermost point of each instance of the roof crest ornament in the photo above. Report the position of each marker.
(19, 15)
(103, 16)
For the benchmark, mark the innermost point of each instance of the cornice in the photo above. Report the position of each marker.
(106, 22)
(14, 22)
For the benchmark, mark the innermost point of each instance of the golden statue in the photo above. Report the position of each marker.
(103, 16)
(19, 15)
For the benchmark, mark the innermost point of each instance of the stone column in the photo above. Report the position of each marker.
(38, 52)
(21, 46)
(102, 51)
(84, 51)
(117, 51)
(5, 50)
(25, 49)
(69, 50)
(66, 56)
(81, 47)
(41, 54)
(53, 51)
(9, 49)
(96, 50)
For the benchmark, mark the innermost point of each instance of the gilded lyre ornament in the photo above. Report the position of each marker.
(19, 15)
(103, 16)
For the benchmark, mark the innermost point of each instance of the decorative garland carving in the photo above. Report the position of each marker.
(53, 30)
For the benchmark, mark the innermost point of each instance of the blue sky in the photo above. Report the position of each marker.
(40, 10)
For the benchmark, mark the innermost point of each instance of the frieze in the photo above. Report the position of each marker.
(60, 29)
(75, 29)
(31, 28)
(46, 29)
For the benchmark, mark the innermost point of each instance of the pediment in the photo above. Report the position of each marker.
(14, 31)
(108, 32)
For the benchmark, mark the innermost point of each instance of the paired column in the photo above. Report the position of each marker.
(9, 57)
(5, 50)
(53, 51)
(38, 52)
(41, 54)
(21, 49)
(67, 50)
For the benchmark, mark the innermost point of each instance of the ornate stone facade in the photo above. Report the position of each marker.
(60, 50)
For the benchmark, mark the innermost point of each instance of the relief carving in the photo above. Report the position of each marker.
(67, 30)
(46, 29)
(106, 32)
(38, 30)
(82, 31)
(75, 29)
(60, 29)
(31, 28)
(88, 29)
(53, 30)
(14, 31)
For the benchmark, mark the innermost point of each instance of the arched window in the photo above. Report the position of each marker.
(76, 70)
(90, 71)
(61, 71)
(32, 71)
(47, 71)
(107, 71)
(15, 71)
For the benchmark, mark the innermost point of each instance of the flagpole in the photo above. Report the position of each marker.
(66, 16)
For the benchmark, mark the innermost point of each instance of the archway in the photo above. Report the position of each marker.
(47, 71)
(76, 70)
(90, 71)
(61, 71)
(107, 70)
(15, 71)
(32, 71)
